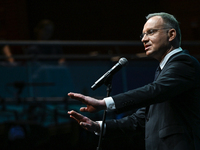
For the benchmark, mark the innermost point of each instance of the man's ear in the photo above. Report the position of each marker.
(172, 34)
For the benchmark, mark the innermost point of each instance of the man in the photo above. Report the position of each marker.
(171, 104)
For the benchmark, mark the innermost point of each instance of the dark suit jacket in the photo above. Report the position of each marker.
(172, 121)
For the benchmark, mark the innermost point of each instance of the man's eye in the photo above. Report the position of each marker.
(150, 31)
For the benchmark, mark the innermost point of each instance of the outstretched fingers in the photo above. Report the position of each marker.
(93, 104)
(77, 96)
(73, 114)
(84, 121)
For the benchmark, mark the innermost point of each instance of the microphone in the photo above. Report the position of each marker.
(122, 62)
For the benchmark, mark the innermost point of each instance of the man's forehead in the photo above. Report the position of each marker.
(153, 22)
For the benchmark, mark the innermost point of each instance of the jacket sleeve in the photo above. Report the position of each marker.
(177, 77)
(129, 125)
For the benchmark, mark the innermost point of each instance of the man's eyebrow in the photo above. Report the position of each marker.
(148, 30)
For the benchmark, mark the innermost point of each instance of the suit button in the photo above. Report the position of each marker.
(147, 119)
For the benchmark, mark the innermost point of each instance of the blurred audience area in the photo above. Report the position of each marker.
(50, 48)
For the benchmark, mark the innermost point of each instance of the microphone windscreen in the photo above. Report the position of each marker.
(123, 61)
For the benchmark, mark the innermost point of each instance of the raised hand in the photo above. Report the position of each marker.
(85, 122)
(93, 105)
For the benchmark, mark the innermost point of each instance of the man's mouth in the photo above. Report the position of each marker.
(147, 47)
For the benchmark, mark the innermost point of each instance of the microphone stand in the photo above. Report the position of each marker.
(108, 83)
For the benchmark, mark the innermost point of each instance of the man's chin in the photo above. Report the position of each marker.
(148, 53)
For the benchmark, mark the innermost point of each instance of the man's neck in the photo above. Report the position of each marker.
(165, 59)
(167, 52)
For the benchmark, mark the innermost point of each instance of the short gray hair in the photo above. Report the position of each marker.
(170, 20)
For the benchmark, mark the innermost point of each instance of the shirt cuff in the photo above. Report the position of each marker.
(109, 103)
(104, 129)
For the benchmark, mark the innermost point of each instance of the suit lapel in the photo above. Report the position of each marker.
(158, 70)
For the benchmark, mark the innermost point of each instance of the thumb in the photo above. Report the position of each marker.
(83, 124)
(83, 109)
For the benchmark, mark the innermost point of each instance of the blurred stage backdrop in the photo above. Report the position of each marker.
(51, 48)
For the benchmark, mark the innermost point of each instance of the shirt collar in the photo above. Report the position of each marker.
(166, 58)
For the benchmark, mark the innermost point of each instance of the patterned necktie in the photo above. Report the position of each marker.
(158, 70)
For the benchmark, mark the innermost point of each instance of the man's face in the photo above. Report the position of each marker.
(155, 38)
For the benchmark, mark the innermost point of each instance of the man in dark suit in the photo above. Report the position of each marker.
(170, 106)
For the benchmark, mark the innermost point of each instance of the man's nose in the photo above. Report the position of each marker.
(144, 38)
